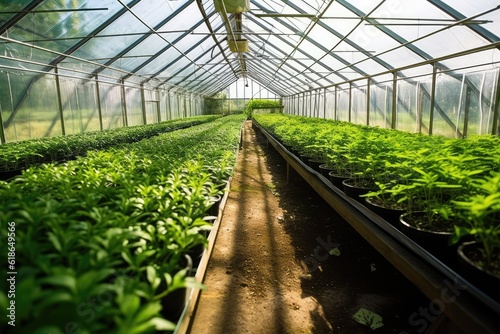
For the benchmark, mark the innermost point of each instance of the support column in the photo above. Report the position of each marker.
(433, 97)
(350, 102)
(495, 130)
(124, 103)
(335, 104)
(2, 130)
(143, 105)
(394, 99)
(468, 92)
(59, 101)
(157, 95)
(368, 101)
(98, 96)
(304, 104)
(420, 107)
(324, 103)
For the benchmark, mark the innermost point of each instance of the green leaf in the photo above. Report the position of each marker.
(90, 279)
(368, 318)
(55, 241)
(61, 280)
(151, 274)
(4, 302)
(168, 278)
(55, 298)
(127, 257)
(129, 304)
(191, 282)
(48, 330)
(163, 324)
(147, 312)
(334, 251)
(27, 292)
(146, 327)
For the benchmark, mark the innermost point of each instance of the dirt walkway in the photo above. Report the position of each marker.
(274, 268)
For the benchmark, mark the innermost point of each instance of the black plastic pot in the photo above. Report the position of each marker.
(9, 174)
(314, 164)
(337, 180)
(214, 209)
(294, 151)
(222, 184)
(390, 215)
(483, 279)
(174, 303)
(325, 170)
(436, 242)
(196, 253)
(304, 158)
(354, 190)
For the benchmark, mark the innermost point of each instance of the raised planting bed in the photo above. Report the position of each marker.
(453, 183)
(17, 156)
(101, 241)
(474, 308)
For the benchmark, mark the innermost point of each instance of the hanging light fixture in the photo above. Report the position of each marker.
(232, 6)
(235, 7)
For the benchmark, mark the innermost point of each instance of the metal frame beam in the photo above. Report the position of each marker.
(481, 31)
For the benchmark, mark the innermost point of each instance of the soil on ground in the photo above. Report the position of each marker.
(285, 262)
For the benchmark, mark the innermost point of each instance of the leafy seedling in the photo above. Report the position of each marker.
(368, 318)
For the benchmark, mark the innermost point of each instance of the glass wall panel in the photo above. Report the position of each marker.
(413, 104)
(407, 106)
(321, 104)
(29, 113)
(481, 118)
(111, 106)
(330, 104)
(80, 108)
(174, 106)
(380, 102)
(307, 104)
(470, 101)
(358, 107)
(164, 105)
(134, 106)
(300, 105)
(151, 106)
(343, 103)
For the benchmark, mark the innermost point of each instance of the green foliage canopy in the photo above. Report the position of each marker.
(261, 103)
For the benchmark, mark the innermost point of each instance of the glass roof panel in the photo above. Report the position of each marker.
(8, 9)
(450, 41)
(471, 7)
(294, 45)
(58, 25)
(489, 59)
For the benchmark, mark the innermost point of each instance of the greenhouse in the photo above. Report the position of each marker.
(250, 166)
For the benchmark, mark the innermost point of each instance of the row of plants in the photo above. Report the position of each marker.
(21, 155)
(453, 184)
(101, 241)
(262, 104)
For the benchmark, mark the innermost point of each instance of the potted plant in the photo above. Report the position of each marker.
(481, 211)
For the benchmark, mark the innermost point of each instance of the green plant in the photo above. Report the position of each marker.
(21, 155)
(482, 212)
(261, 104)
(114, 223)
(413, 171)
